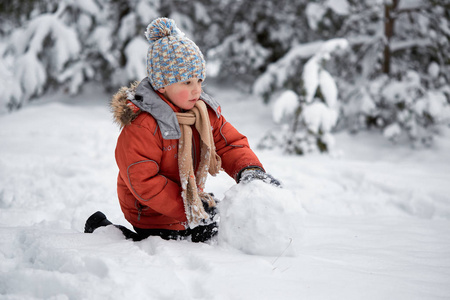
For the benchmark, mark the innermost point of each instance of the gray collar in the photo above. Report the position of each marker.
(149, 101)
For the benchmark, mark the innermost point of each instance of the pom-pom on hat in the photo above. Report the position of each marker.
(171, 57)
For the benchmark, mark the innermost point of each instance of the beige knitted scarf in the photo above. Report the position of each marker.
(194, 184)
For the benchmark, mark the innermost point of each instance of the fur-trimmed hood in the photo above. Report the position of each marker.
(129, 102)
(124, 111)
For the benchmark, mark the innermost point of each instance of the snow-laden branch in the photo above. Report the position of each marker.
(277, 73)
(41, 50)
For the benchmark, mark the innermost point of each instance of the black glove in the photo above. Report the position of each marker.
(208, 228)
(210, 210)
(250, 174)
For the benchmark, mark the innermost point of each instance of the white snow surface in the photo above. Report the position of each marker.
(372, 223)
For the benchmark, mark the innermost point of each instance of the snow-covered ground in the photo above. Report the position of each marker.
(370, 223)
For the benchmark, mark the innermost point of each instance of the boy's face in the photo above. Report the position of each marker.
(183, 94)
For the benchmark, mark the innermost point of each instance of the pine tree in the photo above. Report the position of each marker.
(400, 72)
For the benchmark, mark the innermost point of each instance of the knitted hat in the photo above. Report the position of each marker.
(171, 57)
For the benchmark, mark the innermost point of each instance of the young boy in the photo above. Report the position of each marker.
(173, 135)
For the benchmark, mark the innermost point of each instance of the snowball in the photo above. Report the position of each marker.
(285, 105)
(258, 218)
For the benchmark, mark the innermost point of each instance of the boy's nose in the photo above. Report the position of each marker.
(197, 89)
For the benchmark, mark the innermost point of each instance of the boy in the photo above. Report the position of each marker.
(173, 135)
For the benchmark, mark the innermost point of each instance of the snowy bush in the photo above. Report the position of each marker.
(308, 118)
(66, 43)
(285, 72)
(386, 40)
(405, 108)
(37, 54)
(400, 75)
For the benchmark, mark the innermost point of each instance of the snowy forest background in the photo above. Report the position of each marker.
(324, 65)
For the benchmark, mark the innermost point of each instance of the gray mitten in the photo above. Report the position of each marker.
(252, 173)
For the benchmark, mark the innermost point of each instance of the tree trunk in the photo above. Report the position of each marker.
(389, 20)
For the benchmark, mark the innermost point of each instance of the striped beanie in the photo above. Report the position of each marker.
(171, 56)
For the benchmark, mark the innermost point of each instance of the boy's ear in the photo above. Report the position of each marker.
(162, 90)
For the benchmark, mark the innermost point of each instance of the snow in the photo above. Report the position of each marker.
(278, 72)
(66, 45)
(319, 117)
(254, 223)
(315, 76)
(30, 71)
(311, 72)
(127, 27)
(340, 7)
(373, 223)
(147, 11)
(9, 87)
(314, 13)
(328, 88)
(410, 4)
(392, 131)
(433, 69)
(136, 51)
(285, 105)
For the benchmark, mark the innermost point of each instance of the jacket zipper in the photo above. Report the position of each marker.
(139, 209)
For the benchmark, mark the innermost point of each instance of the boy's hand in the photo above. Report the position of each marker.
(251, 174)
(210, 210)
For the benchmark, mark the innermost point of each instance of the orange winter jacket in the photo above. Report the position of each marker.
(148, 183)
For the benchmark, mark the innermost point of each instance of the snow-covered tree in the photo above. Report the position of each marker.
(389, 41)
(308, 118)
(400, 57)
(246, 36)
(64, 44)
(36, 55)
